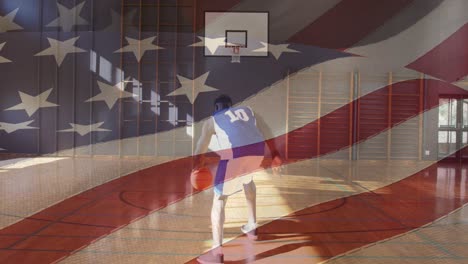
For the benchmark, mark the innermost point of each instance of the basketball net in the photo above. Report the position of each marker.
(235, 54)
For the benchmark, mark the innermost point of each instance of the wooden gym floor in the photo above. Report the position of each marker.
(143, 210)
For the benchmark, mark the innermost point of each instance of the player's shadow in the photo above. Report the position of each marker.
(305, 241)
(323, 231)
(299, 227)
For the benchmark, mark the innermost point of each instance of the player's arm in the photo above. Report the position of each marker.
(267, 134)
(276, 160)
(203, 143)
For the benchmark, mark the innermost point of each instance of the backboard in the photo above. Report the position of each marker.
(244, 29)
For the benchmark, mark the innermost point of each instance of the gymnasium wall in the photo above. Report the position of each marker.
(327, 100)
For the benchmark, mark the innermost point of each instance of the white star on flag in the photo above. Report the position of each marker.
(68, 17)
(60, 49)
(32, 103)
(212, 44)
(6, 22)
(3, 59)
(191, 88)
(139, 47)
(83, 130)
(276, 50)
(10, 128)
(111, 93)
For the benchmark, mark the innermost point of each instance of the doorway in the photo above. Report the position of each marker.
(453, 127)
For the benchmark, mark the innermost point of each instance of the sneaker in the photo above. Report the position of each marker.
(211, 258)
(250, 230)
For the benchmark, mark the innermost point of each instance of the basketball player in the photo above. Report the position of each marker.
(242, 152)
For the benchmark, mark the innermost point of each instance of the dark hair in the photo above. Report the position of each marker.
(222, 102)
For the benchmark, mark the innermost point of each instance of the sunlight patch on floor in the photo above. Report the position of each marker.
(24, 163)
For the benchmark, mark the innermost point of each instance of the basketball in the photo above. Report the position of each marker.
(201, 178)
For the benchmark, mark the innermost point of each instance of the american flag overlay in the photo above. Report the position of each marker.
(107, 77)
(127, 85)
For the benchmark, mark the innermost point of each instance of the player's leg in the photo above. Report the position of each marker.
(251, 164)
(219, 203)
(218, 217)
(215, 255)
(250, 191)
(250, 228)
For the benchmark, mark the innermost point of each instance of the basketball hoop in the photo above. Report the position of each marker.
(235, 53)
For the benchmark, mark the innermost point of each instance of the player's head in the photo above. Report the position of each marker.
(222, 102)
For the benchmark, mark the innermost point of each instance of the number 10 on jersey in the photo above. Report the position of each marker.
(238, 114)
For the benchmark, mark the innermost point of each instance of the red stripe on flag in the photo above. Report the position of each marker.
(348, 22)
(334, 127)
(329, 229)
(95, 213)
(447, 61)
